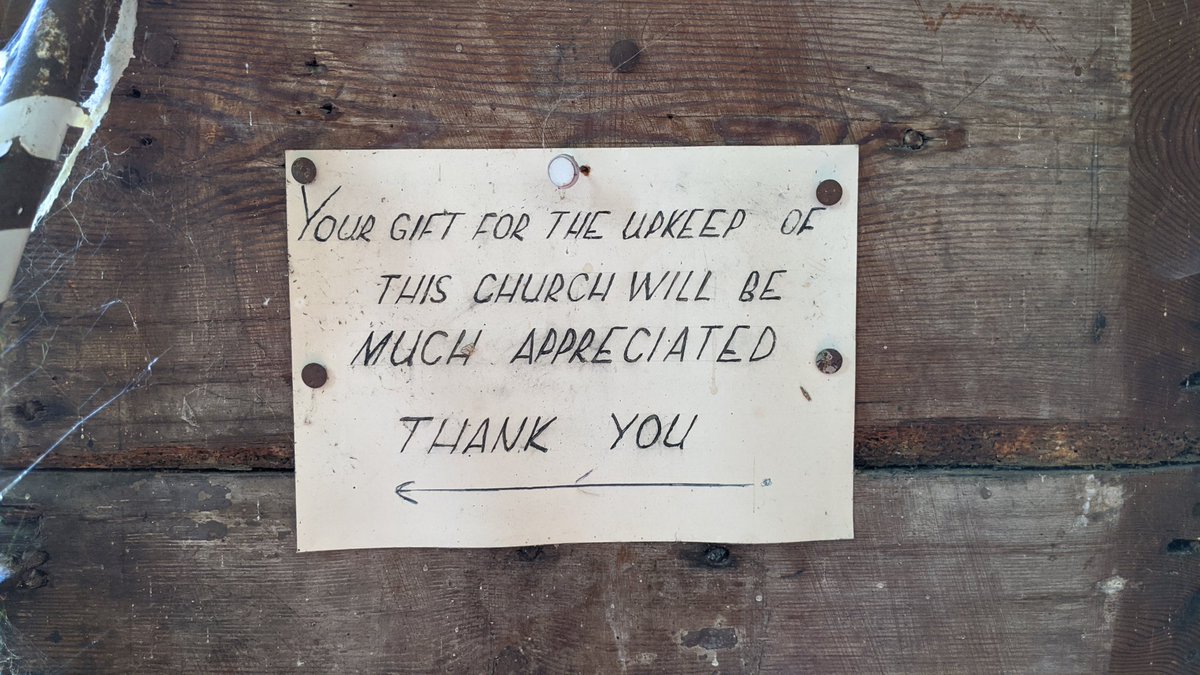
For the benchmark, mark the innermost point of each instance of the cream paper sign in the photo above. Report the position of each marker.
(649, 354)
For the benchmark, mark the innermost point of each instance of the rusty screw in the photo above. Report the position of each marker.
(829, 361)
(829, 192)
(304, 171)
(624, 56)
(314, 375)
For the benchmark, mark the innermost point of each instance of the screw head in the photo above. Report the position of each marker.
(304, 171)
(314, 375)
(829, 361)
(624, 56)
(829, 192)
(563, 171)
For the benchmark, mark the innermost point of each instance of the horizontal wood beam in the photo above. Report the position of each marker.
(1001, 257)
(987, 571)
(938, 443)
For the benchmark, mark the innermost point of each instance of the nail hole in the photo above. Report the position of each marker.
(1099, 325)
(1183, 547)
(717, 556)
(529, 553)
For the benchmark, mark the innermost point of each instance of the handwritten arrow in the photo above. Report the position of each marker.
(403, 489)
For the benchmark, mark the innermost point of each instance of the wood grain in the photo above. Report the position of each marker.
(981, 572)
(996, 250)
(1164, 246)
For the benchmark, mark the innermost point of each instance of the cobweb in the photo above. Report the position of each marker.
(41, 349)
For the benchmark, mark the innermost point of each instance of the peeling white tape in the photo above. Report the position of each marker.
(39, 124)
(10, 240)
(118, 51)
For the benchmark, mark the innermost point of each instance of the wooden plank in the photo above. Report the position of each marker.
(951, 571)
(1164, 259)
(994, 248)
(1157, 628)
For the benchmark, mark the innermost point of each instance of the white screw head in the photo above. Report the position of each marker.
(563, 171)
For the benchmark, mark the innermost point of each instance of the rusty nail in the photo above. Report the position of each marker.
(314, 375)
(829, 361)
(829, 192)
(304, 171)
(624, 55)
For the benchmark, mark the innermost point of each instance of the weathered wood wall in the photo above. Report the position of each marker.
(958, 572)
(1029, 297)
(1012, 290)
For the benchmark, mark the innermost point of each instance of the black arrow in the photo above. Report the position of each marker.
(404, 488)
